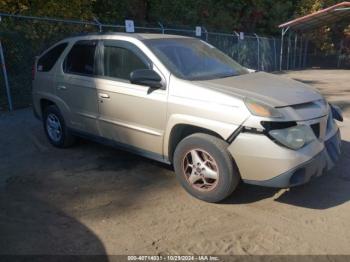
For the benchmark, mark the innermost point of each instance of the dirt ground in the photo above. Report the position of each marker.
(92, 199)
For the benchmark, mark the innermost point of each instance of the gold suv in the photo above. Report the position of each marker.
(181, 101)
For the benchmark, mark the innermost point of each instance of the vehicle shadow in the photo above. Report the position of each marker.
(48, 210)
(50, 198)
(327, 191)
(31, 226)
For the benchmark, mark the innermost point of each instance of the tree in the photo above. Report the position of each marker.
(327, 38)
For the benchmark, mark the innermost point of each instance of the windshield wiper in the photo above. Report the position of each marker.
(227, 75)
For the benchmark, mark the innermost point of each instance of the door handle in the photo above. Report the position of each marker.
(61, 87)
(103, 95)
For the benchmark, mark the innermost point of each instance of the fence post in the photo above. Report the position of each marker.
(281, 52)
(283, 32)
(4, 71)
(295, 51)
(238, 58)
(206, 33)
(161, 27)
(258, 41)
(300, 51)
(98, 24)
(288, 52)
(275, 54)
(305, 52)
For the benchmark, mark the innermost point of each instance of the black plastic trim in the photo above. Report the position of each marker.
(232, 137)
(119, 145)
(271, 125)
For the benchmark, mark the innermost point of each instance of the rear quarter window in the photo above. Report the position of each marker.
(49, 59)
(81, 58)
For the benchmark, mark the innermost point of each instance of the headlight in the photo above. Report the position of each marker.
(261, 109)
(294, 137)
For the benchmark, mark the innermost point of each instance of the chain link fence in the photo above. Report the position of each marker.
(24, 37)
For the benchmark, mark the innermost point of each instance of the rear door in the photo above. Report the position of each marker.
(130, 114)
(76, 86)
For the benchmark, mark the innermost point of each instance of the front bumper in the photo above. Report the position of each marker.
(262, 162)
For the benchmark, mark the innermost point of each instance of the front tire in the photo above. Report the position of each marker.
(205, 168)
(56, 129)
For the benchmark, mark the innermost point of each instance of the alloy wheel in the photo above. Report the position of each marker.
(200, 170)
(53, 127)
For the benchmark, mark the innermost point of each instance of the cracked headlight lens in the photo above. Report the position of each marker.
(294, 137)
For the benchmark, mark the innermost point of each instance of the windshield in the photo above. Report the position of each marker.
(193, 59)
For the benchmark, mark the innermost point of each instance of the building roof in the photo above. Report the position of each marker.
(324, 17)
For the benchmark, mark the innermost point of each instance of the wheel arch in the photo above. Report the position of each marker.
(180, 127)
(43, 100)
(44, 103)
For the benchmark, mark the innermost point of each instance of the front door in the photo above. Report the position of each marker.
(130, 114)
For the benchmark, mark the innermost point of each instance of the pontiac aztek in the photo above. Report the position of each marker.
(181, 101)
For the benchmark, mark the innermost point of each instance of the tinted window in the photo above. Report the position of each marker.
(120, 62)
(193, 59)
(81, 58)
(48, 60)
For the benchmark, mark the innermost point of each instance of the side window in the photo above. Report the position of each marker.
(48, 60)
(119, 62)
(81, 58)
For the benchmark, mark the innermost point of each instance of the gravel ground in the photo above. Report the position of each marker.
(92, 199)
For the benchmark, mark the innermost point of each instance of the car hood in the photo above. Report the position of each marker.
(274, 90)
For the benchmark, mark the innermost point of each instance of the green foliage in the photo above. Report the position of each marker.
(79, 9)
(328, 38)
(261, 16)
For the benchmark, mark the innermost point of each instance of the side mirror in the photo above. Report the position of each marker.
(146, 77)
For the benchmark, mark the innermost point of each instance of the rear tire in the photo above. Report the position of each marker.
(56, 129)
(205, 168)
